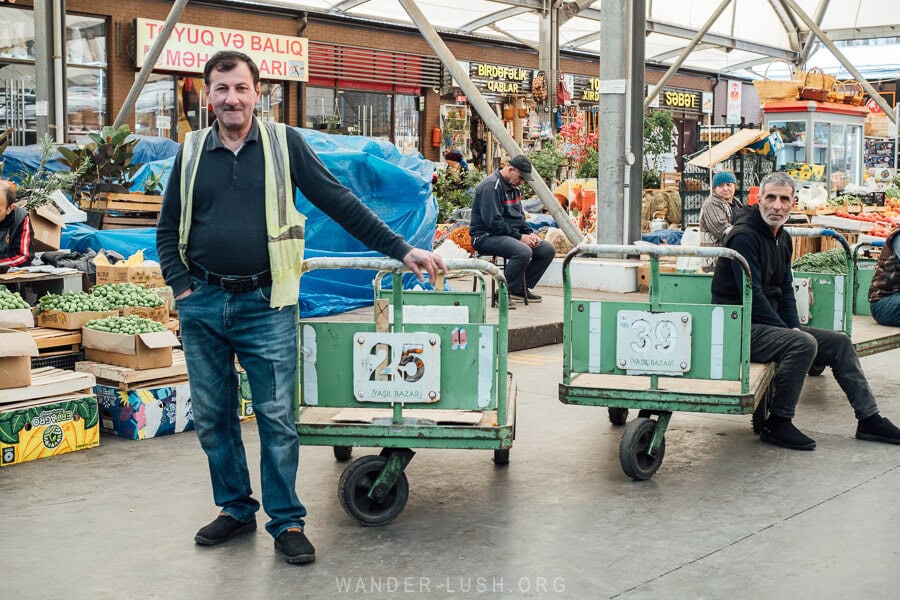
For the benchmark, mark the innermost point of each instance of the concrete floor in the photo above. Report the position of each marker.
(726, 516)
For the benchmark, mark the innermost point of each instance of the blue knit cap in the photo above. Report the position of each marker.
(723, 177)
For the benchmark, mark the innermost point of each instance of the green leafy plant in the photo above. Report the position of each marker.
(110, 154)
(37, 187)
(546, 162)
(154, 182)
(455, 190)
(659, 132)
(590, 165)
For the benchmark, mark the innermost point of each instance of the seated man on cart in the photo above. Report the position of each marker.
(884, 293)
(776, 334)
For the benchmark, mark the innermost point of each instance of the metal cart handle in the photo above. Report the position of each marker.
(389, 265)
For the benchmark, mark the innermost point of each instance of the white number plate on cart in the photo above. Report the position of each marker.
(653, 343)
(397, 367)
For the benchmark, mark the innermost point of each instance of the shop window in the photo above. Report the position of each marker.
(86, 101)
(271, 102)
(85, 40)
(154, 110)
(321, 110)
(16, 33)
(406, 124)
(17, 102)
(365, 113)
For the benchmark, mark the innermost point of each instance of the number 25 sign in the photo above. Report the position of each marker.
(397, 367)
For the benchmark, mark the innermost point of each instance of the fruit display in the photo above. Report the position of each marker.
(121, 295)
(130, 325)
(71, 302)
(11, 300)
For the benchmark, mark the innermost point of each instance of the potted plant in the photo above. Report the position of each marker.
(659, 131)
(153, 184)
(109, 155)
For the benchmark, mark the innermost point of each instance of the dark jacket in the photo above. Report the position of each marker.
(497, 209)
(886, 279)
(769, 257)
(16, 239)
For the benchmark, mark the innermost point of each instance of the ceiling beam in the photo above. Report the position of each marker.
(720, 40)
(493, 17)
(571, 8)
(863, 33)
(787, 23)
(580, 41)
(677, 52)
(344, 6)
(526, 43)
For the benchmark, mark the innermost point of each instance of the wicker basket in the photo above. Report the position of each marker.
(854, 93)
(769, 89)
(836, 92)
(814, 87)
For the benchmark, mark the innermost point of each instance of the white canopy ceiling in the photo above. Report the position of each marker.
(747, 35)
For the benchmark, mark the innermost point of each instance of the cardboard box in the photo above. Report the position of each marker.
(47, 427)
(16, 350)
(46, 225)
(140, 351)
(16, 318)
(147, 412)
(159, 314)
(643, 275)
(56, 319)
(149, 276)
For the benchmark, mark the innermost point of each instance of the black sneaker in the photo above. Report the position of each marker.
(532, 297)
(878, 430)
(296, 548)
(782, 432)
(222, 529)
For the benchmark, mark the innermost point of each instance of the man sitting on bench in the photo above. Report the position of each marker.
(775, 332)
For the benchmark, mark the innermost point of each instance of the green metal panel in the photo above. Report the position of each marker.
(861, 283)
(701, 336)
(686, 288)
(827, 309)
(459, 367)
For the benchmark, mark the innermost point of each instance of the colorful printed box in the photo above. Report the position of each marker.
(53, 426)
(147, 412)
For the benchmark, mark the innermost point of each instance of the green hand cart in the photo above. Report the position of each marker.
(428, 372)
(659, 356)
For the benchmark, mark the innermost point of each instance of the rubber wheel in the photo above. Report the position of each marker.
(816, 370)
(636, 462)
(618, 416)
(353, 488)
(342, 453)
(501, 457)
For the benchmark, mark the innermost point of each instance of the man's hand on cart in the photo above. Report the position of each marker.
(417, 259)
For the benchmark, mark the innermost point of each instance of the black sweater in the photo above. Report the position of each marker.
(769, 257)
(228, 229)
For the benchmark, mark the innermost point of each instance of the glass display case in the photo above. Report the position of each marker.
(823, 141)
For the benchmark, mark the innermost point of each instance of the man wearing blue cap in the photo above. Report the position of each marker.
(718, 213)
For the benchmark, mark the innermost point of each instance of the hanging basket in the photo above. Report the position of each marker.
(814, 86)
(770, 89)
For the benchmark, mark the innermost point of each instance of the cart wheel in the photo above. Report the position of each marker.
(618, 416)
(342, 453)
(353, 488)
(636, 463)
(501, 457)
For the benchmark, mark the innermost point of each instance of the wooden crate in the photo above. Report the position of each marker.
(47, 382)
(123, 211)
(126, 378)
(55, 342)
(829, 243)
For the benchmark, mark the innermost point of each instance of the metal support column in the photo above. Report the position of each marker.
(49, 69)
(613, 83)
(491, 120)
(634, 151)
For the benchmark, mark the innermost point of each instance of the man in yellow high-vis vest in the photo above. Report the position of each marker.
(230, 243)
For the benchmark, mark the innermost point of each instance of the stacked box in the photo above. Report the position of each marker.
(47, 427)
(145, 412)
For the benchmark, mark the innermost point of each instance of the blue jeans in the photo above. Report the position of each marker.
(215, 326)
(887, 310)
(521, 260)
(795, 352)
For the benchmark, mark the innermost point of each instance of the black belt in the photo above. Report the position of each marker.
(230, 283)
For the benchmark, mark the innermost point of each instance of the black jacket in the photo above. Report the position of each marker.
(497, 209)
(16, 239)
(769, 257)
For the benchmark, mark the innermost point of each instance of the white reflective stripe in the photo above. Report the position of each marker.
(594, 311)
(838, 303)
(310, 383)
(716, 343)
(485, 365)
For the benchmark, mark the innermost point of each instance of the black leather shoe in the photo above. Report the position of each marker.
(783, 433)
(532, 297)
(880, 430)
(222, 529)
(296, 548)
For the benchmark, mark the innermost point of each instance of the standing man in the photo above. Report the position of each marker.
(16, 239)
(231, 246)
(775, 331)
(498, 228)
(884, 293)
(718, 213)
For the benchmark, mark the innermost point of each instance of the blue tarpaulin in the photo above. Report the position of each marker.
(396, 187)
